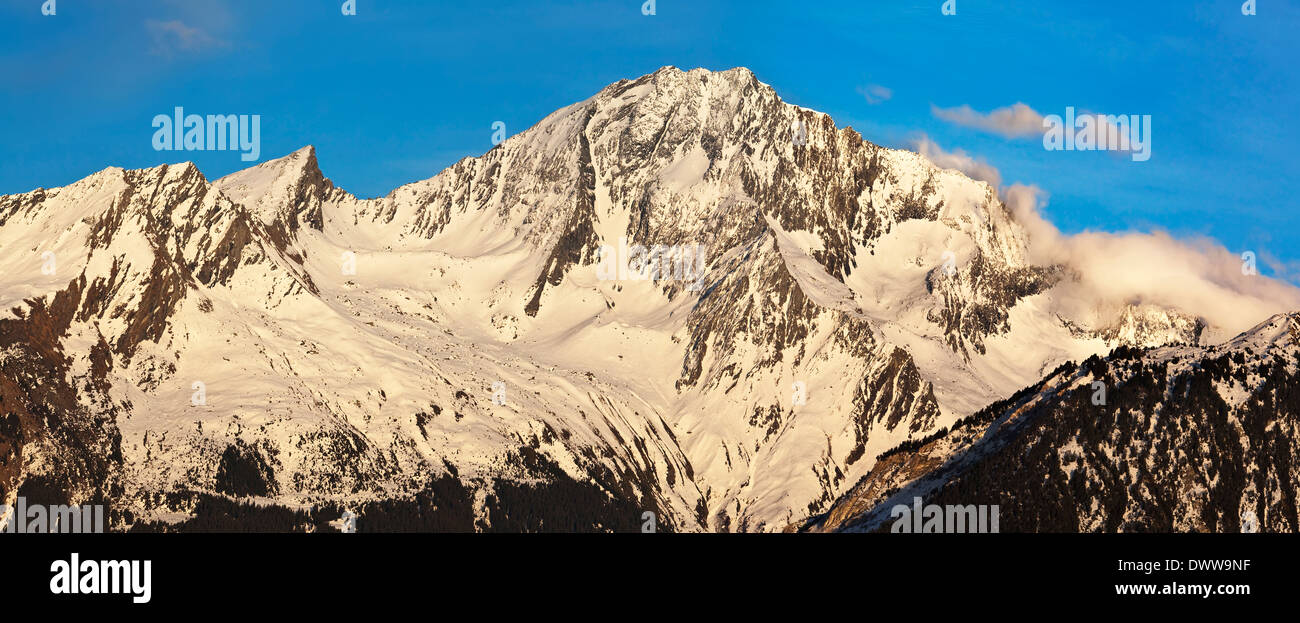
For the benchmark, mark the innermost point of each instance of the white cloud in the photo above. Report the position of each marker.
(1197, 276)
(1015, 121)
(875, 93)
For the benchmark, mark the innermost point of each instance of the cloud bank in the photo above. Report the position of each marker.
(1197, 276)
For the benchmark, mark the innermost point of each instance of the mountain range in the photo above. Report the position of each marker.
(268, 351)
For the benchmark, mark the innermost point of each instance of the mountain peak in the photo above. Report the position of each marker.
(284, 187)
(736, 75)
(777, 251)
(667, 69)
(292, 166)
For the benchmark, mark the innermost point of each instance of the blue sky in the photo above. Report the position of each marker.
(405, 88)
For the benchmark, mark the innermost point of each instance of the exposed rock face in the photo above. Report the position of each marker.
(450, 357)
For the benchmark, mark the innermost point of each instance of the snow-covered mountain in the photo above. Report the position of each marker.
(460, 355)
(1170, 439)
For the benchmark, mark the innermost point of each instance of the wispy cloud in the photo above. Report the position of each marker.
(875, 93)
(1288, 270)
(959, 160)
(174, 37)
(1015, 121)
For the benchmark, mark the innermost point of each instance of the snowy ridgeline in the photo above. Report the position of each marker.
(661, 299)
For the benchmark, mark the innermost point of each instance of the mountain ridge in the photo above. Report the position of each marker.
(1093, 469)
(350, 349)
